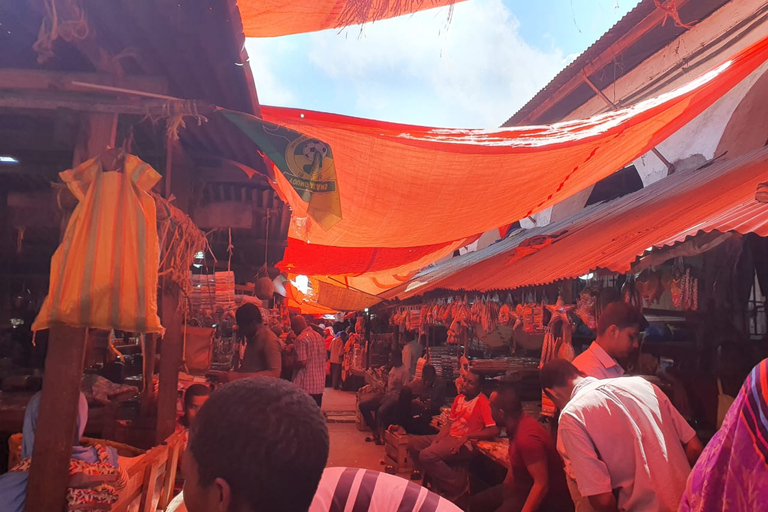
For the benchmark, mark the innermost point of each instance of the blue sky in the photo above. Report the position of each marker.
(472, 73)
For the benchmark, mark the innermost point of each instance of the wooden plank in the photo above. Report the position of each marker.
(170, 362)
(56, 426)
(148, 491)
(86, 102)
(174, 446)
(26, 79)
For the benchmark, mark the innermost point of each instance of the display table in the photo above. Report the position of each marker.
(496, 450)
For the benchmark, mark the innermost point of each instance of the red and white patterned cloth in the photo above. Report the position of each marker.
(310, 347)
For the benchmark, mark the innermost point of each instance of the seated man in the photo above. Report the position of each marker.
(385, 404)
(470, 419)
(420, 400)
(535, 481)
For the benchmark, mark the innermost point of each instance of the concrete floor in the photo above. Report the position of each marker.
(348, 446)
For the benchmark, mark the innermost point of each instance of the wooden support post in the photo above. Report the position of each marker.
(170, 361)
(57, 420)
(56, 424)
(148, 369)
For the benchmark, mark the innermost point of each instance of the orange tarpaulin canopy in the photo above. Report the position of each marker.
(611, 236)
(312, 259)
(405, 186)
(270, 18)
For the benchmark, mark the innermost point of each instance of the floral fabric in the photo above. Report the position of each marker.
(732, 473)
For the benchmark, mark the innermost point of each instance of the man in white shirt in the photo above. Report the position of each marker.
(412, 352)
(618, 334)
(628, 447)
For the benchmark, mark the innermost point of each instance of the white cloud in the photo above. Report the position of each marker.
(476, 73)
(264, 55)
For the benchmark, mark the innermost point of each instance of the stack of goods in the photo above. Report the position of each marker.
(445, 361)
(505, 364)
(441, 419)
(203, 292)
(225, 290)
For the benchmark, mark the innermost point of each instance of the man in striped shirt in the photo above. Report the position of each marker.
(310, 359)
(356, 489)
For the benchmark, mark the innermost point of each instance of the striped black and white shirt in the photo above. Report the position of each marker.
(364, 490)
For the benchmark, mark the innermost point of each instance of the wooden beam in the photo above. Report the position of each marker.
(97, 132)
(602, 60)
(33, 79)
(56, 423)
(171, 353)
(86, 102)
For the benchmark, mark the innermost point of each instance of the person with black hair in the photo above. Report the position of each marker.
(258, 445)
(194, 398)
(262, 351)
(309, 372)
(420, 401)
(628, 447)
(535, 480)
(470, 419)
(618, 335)
(384, 404)
(412, 352)
(337, 357)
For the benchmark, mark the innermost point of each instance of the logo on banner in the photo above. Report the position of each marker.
(310, 162)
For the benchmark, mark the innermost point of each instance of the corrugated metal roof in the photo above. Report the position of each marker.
(717, 197)
(622, 64)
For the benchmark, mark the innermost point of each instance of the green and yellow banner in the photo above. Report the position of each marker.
(305, 162)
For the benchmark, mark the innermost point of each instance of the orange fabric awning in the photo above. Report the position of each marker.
(270, 18)
(611, 236)
(410, 186)
(313, 259)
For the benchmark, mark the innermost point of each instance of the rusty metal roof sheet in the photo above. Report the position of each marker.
(719, 196)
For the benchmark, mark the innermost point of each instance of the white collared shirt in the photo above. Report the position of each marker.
(624, 434)
(595, 362)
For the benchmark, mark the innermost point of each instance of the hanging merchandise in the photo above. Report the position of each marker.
(630, 295)
(527, 316)
(104, 273)
(225, 290)
(414, 319)
(676, 286)
(648, 285)
(585, 309)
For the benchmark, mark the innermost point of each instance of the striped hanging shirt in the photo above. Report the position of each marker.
(364, 490)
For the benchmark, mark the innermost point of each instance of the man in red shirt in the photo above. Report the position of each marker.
(470, 419)
(535, 481)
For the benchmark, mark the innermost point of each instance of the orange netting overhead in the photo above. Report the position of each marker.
(270, 18)
(408, 186)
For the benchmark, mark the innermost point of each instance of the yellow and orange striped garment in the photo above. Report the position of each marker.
(104, 273)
